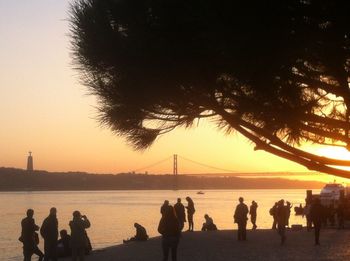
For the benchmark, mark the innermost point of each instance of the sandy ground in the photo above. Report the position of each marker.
(222, 245)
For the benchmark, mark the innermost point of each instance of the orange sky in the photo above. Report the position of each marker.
(43, 108)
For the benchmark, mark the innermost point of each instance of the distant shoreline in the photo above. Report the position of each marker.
(18, 180)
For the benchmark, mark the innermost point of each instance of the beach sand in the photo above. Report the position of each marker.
(222, 245)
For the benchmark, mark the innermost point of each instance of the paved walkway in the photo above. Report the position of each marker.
(223, 246)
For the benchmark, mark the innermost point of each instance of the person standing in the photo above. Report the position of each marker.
(79, 239)
(29, 237)
(170, 230)
(316, 213)
(253, 214)
(281, 217)
(240, 217)
(49, 231)
(273, 214)
(180, 213)
(288, 210)
(190, 213)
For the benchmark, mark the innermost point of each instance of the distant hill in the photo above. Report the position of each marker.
(20, 180)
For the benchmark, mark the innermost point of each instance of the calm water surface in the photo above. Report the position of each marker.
(113, 213)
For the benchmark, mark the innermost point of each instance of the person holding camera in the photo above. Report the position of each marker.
(79, 240)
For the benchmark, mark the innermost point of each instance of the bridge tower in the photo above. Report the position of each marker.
(175, 165)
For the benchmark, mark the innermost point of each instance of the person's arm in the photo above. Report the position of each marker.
(86, 222)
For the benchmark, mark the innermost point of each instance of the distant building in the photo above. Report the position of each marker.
(30, 162)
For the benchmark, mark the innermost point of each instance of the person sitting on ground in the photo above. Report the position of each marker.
(63, 244)
(209, 224)
(141, 234)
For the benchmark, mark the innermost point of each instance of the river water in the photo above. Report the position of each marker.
(113, 213)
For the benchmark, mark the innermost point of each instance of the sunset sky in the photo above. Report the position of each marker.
(44, 109)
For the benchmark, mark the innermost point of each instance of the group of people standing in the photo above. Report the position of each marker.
(171, 224)
(77, 244)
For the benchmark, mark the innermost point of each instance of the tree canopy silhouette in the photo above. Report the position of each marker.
(275, 71)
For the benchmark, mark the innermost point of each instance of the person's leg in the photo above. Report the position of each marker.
(239, 231)
(174, 249)
(317, 233)
(38, 252)
(27, 254)
(165, 247)
(274, 224)
(81, 253)
(53, 251)
(190, 222)
(244, 230)
(74, 254)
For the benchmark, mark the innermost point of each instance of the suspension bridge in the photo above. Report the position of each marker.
(176, 159)
(175, 162)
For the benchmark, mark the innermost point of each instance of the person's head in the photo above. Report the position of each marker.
(53, 211)
(63, 233)
(281, 202)
(288, 203)
(166, 202)
(76, 214)
(240, 200)
(136, 225)
(30, 213)
(178, 200)
(253, 202)
(206, 216)
(188, 198)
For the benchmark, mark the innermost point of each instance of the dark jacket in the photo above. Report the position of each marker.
(28, 231)
(316, 213)
(190, 208)
(252, 210)
(180, 211)
(281, 215)
(169, 227)
(241, 213)
(78, 233)
(49, 229)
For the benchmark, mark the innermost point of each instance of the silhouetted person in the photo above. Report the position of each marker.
(49, 231)
(141, 234)
(288, 209)
(29, 237)
(340, 215)
(63, 244)
(240, 217)
(209, 224)
(253, 213)
(273, 214)
(180, 213)
(331, 215)
(170, 230)
(164, 207)
(281, 217)
(316, 212)
(79, 239)
(190, 213)
(307, 215)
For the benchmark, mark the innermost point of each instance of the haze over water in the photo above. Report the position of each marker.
(113, 213)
